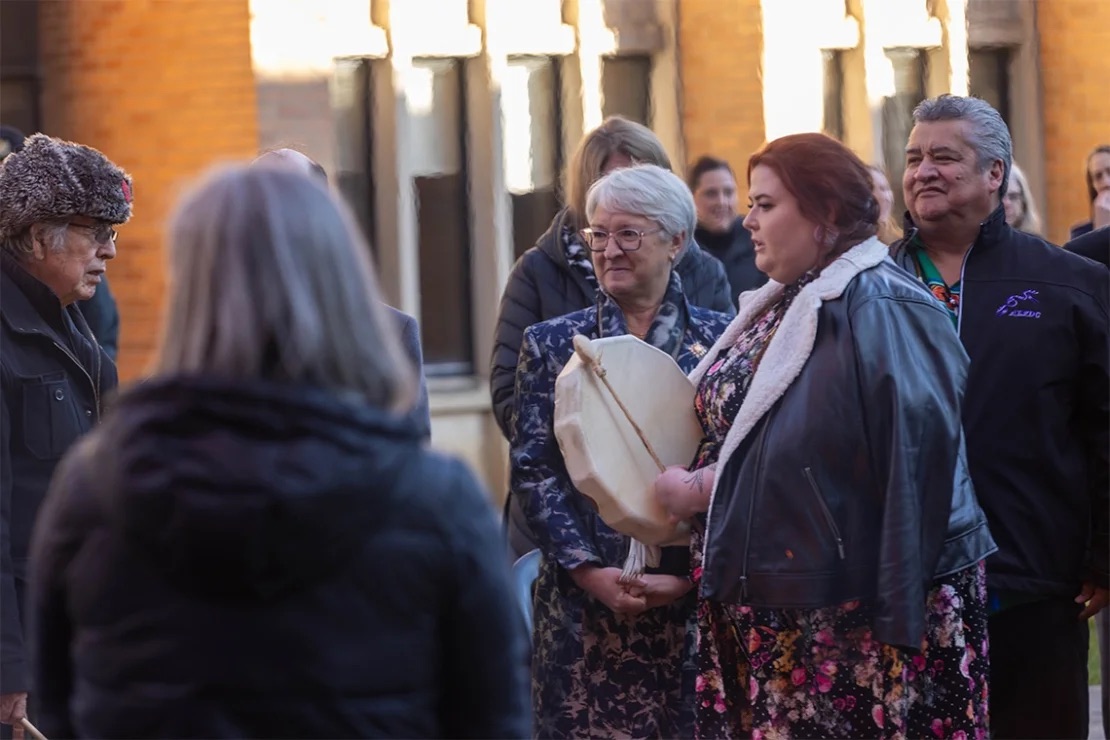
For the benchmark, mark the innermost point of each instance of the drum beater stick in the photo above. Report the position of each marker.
(586, 352)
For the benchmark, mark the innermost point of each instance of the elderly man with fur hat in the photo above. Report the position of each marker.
(59, 202)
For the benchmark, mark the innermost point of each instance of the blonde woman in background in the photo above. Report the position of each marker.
(889, 230)
(1021, 211)
(556, 277)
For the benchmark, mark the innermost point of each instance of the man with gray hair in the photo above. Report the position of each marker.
(59, 202)
(1034, 321)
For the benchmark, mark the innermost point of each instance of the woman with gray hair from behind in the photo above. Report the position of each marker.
(255, 543)
(610, 659)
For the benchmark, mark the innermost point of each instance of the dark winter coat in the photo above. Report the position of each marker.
(102, 315)
(735, 251)
(53, 380)
(1033, 318)
(226, 560)
(1094, 245)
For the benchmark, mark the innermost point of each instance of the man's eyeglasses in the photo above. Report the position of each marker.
(102, 233)
(628, 240)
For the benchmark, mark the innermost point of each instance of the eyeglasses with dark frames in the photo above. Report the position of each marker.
(628, 240)
(102, 233)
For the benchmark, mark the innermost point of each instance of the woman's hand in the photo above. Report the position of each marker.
(684, 493)
(661, 590)
(603, 584)
(1101, 208)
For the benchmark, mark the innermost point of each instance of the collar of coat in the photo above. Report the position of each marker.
(791, 344)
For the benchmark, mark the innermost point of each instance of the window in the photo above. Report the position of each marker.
(626, 88)
(351, 104)
(19, 66)
(532, 145)
(436, 98)
(834, 93)
(989, 72)
(909, 89)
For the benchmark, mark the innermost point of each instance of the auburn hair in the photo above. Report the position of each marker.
(831, 184)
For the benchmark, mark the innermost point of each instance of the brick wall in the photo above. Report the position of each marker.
(164, 89)
(720, 45)
(1074, 39)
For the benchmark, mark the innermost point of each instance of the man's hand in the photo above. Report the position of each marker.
(1094, 597)
(13, 708)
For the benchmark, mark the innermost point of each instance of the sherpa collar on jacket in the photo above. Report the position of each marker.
(791, 344)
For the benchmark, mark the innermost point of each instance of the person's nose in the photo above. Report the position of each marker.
(107, 250)
(925, 171)
(750, 222)
(612, 251)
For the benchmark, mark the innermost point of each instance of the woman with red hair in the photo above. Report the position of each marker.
(838, 546)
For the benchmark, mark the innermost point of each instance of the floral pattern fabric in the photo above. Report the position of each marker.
(596, 673)
(577, 256)
(806, 673)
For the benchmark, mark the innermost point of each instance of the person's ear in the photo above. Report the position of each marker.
(39, 246)
(678, 241)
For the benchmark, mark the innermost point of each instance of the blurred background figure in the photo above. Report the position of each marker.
(720, 229)
(102, 315)
(1093, 245)
(1098, 188)
(11, 141)
(406, 325)
(1021, 211)
(889, 229)
(556, 277)
(256, 543)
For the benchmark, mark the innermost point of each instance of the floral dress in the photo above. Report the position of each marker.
(809, 673)
(596, 673)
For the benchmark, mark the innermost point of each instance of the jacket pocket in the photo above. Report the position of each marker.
(50, 422)
(835, 530)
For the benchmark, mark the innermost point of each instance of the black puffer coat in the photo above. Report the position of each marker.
(225, 560)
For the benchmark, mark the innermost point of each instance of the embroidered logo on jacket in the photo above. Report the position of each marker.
(1017, 306)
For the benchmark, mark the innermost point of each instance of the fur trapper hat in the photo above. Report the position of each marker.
(52, 180)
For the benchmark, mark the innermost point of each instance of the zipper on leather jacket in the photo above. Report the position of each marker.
(825, 510)
(751, 514)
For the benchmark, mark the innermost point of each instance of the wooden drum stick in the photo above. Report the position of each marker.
(34, 731)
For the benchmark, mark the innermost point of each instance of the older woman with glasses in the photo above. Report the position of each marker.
(609, 660)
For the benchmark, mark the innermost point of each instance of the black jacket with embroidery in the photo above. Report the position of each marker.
(1033, 318)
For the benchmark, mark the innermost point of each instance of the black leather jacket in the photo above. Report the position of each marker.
(854, 485)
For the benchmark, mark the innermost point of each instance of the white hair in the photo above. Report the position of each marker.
(22, 245)
(649, 191)
(269, 278)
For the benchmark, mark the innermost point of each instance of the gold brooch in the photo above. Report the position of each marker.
(698, 349)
